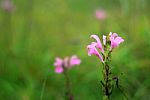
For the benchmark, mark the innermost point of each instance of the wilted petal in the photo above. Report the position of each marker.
(59, 69)
(99, 44)
(93, 51)
(104, 39)
(74, 60)
(110, 33)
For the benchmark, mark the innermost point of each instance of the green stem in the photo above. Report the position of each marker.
(43, 88)
(69, 95)
(107, 88)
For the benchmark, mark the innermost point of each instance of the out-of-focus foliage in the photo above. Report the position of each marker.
(37, 31)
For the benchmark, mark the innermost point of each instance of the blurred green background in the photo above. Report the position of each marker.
(34, 32)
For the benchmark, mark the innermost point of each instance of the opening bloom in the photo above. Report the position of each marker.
(67, 62)
(99, 44)
(115, 40)
(92, 48)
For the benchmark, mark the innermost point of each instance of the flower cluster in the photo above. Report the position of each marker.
(113, 39)
(67, 62)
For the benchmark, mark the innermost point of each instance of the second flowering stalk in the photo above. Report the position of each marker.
(63, 66)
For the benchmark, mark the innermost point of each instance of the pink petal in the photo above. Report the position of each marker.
(74, 60)
(119, 40)
(113, 36)
(59, 69)
(58, 62)
(93, 51)
(99, 44)
(115, 40)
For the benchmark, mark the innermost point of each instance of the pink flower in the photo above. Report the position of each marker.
(7, 5)
(67, 62)
(74, 60)
(59, 69)
(93, 51)
(99, 44)
(115, 40)
(100, 14)
(58, 65)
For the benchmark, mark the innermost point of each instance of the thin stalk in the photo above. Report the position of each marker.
(43, 88)
(68, 94)
(107, 88)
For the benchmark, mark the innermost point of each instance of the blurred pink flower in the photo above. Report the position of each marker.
(58, 65)
(100, 14)
(7, 6)
(59, 69)
(74, 60)
(67, 62)
(115, 40)
(93, 51)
